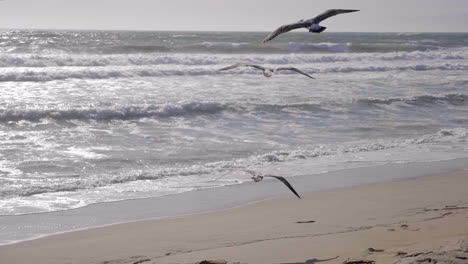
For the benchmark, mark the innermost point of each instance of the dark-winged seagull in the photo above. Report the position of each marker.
(267, 72)
(311, 24)
(257, 178)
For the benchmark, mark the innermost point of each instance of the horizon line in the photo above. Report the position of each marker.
(226, 31)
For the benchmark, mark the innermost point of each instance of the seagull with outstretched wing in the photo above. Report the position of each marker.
(267, 72)
(313, 24)
(257, 178)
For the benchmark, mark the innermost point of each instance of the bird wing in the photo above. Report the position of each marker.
(329, 13)
(286, 183)
(240, 65)
(294, 69)
(232, 66)
(257, 67)
(286, 28)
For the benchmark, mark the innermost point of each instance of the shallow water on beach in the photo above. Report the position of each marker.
(89, 117)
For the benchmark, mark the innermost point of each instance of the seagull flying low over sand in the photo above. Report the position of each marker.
(267, 72)
(257, 177)
(311, 24)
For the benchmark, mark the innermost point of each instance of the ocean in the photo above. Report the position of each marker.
(88, 117)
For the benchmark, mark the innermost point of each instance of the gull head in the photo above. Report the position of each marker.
(257, 178)
(267, 73)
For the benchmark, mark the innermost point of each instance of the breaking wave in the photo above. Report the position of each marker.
(209, 108)
(133, 72)
(418, 100)
(96, 74)
(456, 135)
(94, 60)
(418, 67)
(124, 113)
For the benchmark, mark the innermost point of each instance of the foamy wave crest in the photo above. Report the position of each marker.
(422, 100)
(71, 185)
(122, 113)
(352, 69)
(75, 185)
(456, 54)
(418, 100)
(334, 47)
(199, 59)
(447, 55)
(97, 74)
(419, 67)
(284, 107)
(457, 135)
(93, 60)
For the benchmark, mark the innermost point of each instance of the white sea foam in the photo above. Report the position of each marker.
(453, 136)
(85, 153)
(28, 75)
(93, 60)
(418, 67)
(334, 47)
(459, 135)
(121, 113)
(190, 109)
(422, 99)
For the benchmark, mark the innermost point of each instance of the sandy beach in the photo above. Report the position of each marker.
(407, 221)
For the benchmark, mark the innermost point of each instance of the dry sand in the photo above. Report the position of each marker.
(410, 221)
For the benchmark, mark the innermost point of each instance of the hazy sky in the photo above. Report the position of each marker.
(233, 15)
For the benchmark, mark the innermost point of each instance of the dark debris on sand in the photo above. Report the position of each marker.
(448, 257)
(132, 260)
(375, 250)
(305, 222)
(217, 262)
(358, 262)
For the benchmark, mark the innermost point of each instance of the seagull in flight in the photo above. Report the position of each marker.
(257, 178)
(311, 24)
(267, 72)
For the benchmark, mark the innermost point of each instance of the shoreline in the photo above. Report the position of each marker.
(416, 214)
(107, 214)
